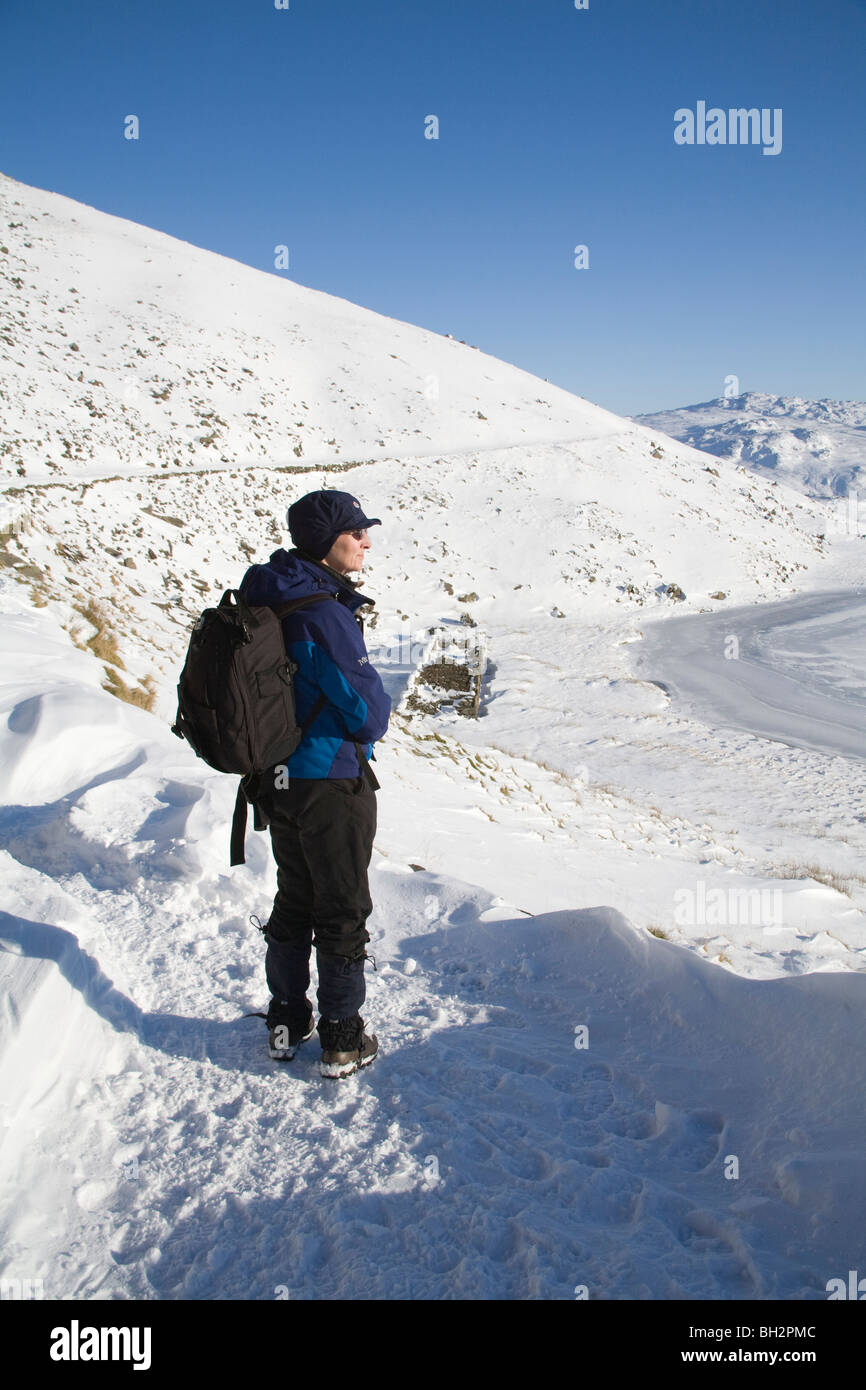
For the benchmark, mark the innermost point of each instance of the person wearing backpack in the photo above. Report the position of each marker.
(321, 804)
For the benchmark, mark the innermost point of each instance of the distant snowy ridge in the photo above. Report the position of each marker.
(819, 446)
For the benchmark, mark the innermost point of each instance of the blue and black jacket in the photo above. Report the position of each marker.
(326, 642)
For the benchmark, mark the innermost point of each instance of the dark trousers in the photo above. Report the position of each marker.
(322, 833)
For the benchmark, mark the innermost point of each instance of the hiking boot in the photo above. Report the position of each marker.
(286, 1031)
(345, 1046)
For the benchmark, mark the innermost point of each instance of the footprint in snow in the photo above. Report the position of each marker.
(690, 1140)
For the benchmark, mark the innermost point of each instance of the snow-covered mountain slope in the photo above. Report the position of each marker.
(818, 446)
(547, 537)
(549, 508)
(124, 350)
(582, 795)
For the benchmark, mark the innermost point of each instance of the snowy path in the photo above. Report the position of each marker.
(483, 1155)
(313, 463)
(793, 671)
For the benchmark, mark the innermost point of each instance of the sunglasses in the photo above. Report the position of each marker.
(357, 535)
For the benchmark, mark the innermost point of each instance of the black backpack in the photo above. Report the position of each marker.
(236, 700)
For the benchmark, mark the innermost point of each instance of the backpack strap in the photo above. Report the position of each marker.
(247, 788)
(366, 770)
(239, 828)
(296, 604)
(249, 794)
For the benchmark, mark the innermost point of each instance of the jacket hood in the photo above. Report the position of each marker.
(289, 575)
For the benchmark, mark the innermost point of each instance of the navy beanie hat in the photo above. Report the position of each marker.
(317, 520)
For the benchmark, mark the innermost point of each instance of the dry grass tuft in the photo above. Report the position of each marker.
(104, 642)
(144, 695)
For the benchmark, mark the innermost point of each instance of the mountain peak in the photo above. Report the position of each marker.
(817, 446)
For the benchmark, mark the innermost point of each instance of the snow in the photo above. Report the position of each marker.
(112, 335)
(793, 671)
(818, 446)
(620, 918)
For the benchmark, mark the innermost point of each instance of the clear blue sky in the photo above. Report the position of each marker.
(306, 127)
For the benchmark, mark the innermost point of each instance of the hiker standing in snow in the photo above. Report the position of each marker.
(321, 805)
